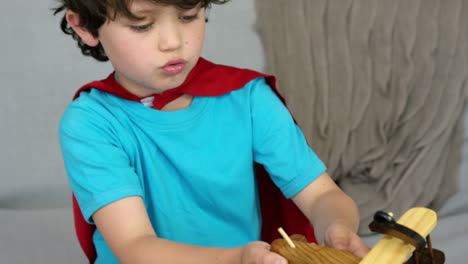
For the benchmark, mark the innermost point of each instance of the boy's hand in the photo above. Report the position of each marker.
(258, 252)
(341, 237)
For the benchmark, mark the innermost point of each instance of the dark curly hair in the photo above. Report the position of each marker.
(93, 13)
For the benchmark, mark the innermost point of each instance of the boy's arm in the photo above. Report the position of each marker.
(127, 230)
(333, 214)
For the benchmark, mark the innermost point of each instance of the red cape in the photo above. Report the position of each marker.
(208, 79)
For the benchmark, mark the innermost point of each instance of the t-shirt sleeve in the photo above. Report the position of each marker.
(279, 144)
(98, 169)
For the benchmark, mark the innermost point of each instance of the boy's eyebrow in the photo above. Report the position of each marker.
(136, 15)
(143, 12)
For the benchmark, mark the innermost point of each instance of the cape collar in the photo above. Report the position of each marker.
(205, 79)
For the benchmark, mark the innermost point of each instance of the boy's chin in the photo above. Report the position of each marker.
(172, 84)
(167, 87)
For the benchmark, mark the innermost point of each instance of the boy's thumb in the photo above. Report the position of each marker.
(340, 242)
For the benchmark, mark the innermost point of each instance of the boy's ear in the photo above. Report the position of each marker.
(73, 19)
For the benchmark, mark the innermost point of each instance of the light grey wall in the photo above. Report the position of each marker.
(40, 68)
(231, 38)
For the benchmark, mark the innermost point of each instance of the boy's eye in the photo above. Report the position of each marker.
(188, 18)
(141, 27)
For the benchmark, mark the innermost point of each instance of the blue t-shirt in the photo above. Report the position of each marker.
(193, 167)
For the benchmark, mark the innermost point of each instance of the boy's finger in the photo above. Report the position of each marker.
(262, 244)
(359, 248)
(273, 258)
(339, 241)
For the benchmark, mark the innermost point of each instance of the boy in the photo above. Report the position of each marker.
(161, 154)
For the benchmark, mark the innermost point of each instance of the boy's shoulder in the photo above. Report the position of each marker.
(90, 99)
(89, 105)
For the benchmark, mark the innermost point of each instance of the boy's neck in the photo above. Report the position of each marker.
(180, 103)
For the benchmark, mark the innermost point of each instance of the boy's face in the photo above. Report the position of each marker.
(156, 53)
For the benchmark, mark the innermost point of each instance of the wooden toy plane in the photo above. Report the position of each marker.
(409, 235)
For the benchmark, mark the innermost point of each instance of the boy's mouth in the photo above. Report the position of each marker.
(174, 66)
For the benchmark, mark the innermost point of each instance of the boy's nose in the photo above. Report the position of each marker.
(169, 37)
